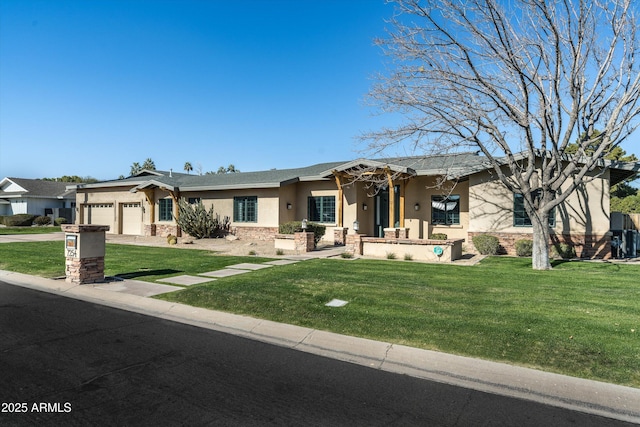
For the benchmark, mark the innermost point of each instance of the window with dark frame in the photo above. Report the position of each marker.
(245, 209)
(445, 210)
(321, 209)
(520, 216)
(165, 211)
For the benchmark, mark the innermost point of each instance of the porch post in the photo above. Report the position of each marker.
(149, 195)
(402, 199)
(338, 179)
(392, 198)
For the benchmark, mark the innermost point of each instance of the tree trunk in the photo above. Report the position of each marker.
(540, 255)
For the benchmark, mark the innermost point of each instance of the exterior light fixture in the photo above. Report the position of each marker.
(417, 206)
(289, 206)
(364, 206)
(356, 226)
(304, 224)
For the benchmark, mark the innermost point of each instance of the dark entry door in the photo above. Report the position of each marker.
(381, 214)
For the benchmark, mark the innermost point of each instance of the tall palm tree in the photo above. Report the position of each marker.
(188, 167)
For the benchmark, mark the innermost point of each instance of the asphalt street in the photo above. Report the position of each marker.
(69, 362)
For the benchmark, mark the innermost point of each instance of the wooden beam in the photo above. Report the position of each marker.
(149, 195)
(392, 198)
(338, 178)
(402, 201)
(175, 195)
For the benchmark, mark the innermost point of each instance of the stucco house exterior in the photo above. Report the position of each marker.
(37, 197)
(455, 194)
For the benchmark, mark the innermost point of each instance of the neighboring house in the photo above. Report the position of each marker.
(414, 204)
(37, 197)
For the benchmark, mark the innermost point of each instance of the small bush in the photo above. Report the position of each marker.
(563, 250)
(60, 221)
(42, 220)
(172, 240)
(408, 257)
(252, 252)
(346, 255)
(391, 255)
(292, 227)
(279, 252)
(524, 247)
(438, 236)
(19, 220)
(486, 244)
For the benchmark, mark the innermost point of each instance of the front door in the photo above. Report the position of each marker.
(381, 213)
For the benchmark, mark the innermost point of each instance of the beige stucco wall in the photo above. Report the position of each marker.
(115, 196)
(584, 212)
(222, 201)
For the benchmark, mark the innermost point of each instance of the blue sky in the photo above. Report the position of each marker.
(89, 87)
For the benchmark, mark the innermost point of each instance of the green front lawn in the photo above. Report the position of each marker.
(29, 230)
(581, 319)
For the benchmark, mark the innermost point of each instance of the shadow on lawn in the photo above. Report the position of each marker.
(147, 273)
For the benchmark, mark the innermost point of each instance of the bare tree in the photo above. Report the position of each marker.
(520, 81)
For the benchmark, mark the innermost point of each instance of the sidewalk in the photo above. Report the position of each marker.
(608, 400)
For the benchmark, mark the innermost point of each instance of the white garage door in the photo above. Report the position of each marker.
(132, 218)
(100, 214)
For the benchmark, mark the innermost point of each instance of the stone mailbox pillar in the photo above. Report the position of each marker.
(84, 250)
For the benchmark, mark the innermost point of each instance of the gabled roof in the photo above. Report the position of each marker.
(453, 166)
(22, 187)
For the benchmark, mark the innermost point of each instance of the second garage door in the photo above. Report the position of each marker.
(131, 218)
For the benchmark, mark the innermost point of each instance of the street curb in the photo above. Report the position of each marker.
(593, 397)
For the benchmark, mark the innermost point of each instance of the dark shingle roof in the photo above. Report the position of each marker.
(37, 188)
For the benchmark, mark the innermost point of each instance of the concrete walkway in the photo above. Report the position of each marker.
(593, 397)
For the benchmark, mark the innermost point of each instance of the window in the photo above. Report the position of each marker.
(520, 217)
(166, 210)
(193, 200)
(245, 209)
(322, 209)
(445, 210)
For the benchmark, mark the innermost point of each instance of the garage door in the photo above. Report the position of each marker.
(100, 214)
(132, 218)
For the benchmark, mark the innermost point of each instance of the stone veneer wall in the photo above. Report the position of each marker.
(84, 270)
(255, 233)
(586, 246)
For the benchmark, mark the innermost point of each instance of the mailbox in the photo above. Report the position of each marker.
(84, 247)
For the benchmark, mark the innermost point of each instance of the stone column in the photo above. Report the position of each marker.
(304, 241)
(340, 236)
(84, 251)
(354, 244)
(390, 233)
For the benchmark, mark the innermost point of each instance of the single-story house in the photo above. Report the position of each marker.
(457, 195)
(37, 197)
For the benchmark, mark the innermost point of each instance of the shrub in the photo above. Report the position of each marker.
(438, 236)
(199, 223)
(346, 255)
(408, 257)
(19, 220)
(563, 250)
(486, 244)
(292, 227)
(60, 221)
(391, 255)
(279, 252)
(524, 247)
(42, 220)
(172, 240)
(252, 252)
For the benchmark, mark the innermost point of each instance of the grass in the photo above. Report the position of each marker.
(127, 261)
(580, 319)
(29, 230)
